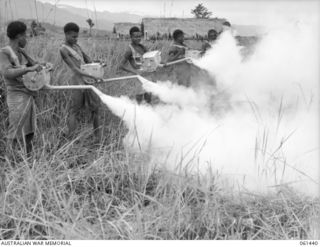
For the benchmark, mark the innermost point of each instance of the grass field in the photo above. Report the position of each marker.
(76, 190)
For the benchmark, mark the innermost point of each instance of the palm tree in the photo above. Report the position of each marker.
(91, 24)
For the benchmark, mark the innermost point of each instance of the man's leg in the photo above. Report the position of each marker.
(71, 122)
(76, 104)
(94, 104)
(29, 145)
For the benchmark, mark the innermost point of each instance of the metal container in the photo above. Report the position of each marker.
(194, 54)
(94, 69)
(151, 60)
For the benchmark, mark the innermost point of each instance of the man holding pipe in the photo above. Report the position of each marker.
(74, 57)
(134, 56)
(14, 63)
(212, 36)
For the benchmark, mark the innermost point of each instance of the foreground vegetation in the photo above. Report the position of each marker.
(75, 189)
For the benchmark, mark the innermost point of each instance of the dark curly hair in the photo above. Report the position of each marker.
(213, 32)
(226, 23)
(69, 27)
(134, 30)
(15, 28)
(177, 33)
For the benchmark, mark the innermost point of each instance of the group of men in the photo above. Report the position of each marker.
(15, 62)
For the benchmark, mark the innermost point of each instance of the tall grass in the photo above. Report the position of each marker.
(72, 189)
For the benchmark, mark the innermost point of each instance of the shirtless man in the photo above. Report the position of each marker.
(178, 49)
(133, 57)
(74, 57)
(212, 36)
(14, 63)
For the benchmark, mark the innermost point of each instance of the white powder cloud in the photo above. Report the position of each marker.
(269, 136)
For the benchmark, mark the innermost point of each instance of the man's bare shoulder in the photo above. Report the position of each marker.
(128, 52)
(172, 49)
(4, 51)
(63, 49)
(4, 56)
(64, 52)
(128, 49)
(144, 48)
(4, 62)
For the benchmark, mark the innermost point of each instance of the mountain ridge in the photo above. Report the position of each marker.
(59, 15)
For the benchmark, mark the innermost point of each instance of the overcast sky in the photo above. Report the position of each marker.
(238, 12)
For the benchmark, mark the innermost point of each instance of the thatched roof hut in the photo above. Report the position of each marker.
(124, 27)
(190, 26)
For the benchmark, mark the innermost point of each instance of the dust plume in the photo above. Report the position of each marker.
(266, 140)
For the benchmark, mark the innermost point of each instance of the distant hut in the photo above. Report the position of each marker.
(192, 27)
(121, 29)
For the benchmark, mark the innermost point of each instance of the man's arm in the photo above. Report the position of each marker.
(31, 61)
(10, 72)
(124, 63)
(145, 49)
(86, 58)
(173, 54)
(67, 59)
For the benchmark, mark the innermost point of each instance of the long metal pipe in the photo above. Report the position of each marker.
(174, 62)
(91, 87)
(139, 77)
(73, 87)
(97, 91)
(69, 87)
(120, 78)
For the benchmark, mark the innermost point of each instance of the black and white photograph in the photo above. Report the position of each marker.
(159, 120)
